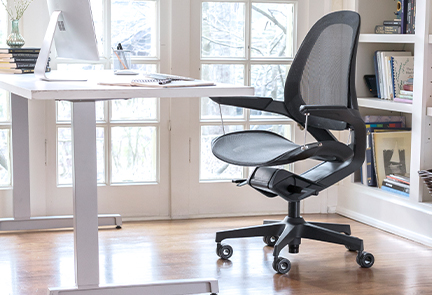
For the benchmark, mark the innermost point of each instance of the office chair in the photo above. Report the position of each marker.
(319, 95)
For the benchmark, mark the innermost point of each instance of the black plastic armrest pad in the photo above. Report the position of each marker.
(254, 102)
(321, 108)
(250, 102)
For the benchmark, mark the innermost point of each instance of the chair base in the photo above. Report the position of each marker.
(290, 231)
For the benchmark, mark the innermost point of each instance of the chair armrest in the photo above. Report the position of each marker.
(336, 112)
(253, 102)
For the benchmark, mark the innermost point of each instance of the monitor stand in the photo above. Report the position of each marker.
(43, 57)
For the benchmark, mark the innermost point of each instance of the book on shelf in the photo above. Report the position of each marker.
(370, 155)
(383, 29)
(384, 119)
(394, 191)
(383, 69)
(410, 18)
(394, 22)
(392, 153)
(378, 124)
(396, 185)
(17, 65)
(19, 55)
(402, 69)
(403, 100)
(17, 59)
(363, 173)
(399, 178)
(21, 71)
(20, 50)
(406, 92)
(382, 125)
(403, 14)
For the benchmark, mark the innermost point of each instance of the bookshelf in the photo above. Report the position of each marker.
(411, 216)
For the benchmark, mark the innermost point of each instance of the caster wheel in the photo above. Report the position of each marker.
(349, 248)
(224, 251)
(281, 265)
(270, 240)
(365, 259)
(118, 227)
(218, 246)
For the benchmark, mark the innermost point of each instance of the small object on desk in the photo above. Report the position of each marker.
(122, 53)
(121, 62)
(125, 72)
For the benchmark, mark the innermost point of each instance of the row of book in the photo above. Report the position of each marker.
(19, 60)
(388, 154)
(394, 72)
(405, 21)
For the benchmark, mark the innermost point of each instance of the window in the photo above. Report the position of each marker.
(247, 43)
(127, 130)
(3, 27)
(5, 139)
(5, 116)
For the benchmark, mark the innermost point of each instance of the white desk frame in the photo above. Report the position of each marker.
(22, 219)
(85, 222)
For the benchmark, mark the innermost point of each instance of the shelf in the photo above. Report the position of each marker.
(387, 38)
(381, 104)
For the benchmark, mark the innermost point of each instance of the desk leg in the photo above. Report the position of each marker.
(85, 194)
(21, 158)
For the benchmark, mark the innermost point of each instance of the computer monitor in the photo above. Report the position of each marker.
(71, 26)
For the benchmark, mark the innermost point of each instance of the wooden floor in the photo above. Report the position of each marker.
(148, 251)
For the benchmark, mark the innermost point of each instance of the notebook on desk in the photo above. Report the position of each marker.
(158, 81)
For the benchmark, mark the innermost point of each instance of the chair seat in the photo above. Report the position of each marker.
(263, 148)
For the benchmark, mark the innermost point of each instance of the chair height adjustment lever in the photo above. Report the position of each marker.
(240, 182)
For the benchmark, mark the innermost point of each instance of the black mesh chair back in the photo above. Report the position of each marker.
(323, 71)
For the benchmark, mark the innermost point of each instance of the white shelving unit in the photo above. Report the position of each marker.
(380, 38)
(409, 217)
(381, 104)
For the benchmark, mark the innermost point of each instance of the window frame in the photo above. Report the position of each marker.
(247, 61)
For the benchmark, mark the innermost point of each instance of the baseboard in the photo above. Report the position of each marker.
(198, 216)
(399, 231)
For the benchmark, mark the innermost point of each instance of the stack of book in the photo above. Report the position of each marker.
(19, 60)
(394, 71)
(404, 96)
(405, 21)
(389, 27)
(387, 150)
(397, 184)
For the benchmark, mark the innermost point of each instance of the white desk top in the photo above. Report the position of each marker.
(27, 86)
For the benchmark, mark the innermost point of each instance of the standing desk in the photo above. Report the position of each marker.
(83, 96)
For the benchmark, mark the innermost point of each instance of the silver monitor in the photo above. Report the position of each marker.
(71, 26)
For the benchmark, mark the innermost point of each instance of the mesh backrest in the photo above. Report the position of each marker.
(325, 75)
(323, 70)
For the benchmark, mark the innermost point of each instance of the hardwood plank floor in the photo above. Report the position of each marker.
(159, 250)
